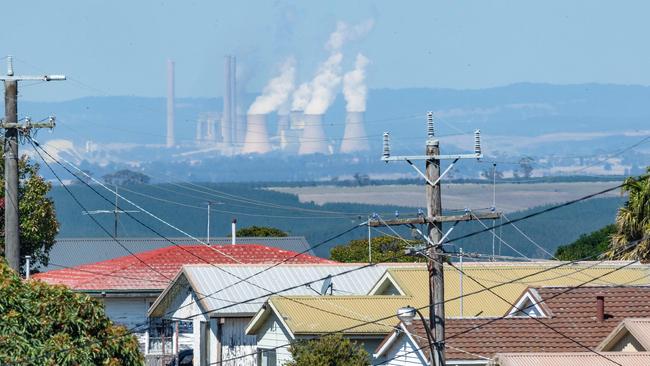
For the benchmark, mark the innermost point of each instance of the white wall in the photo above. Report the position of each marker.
(402, 353)
(128, 311)
(272, 335)
(235, 343)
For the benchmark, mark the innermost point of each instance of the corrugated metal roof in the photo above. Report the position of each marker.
(572, 359)
(353, 314)
(414, 282)
(208, 280)
(71, 252)
(639, 328)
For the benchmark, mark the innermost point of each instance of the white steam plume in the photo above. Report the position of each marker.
(345, 33)
(301, 97)
(354, 86)
(277, 91)
(323, 86)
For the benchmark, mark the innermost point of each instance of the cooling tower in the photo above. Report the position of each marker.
(296, 120)
(170, 103)
(257, 139)
(283, 123)
(313, 140)
(354, 138)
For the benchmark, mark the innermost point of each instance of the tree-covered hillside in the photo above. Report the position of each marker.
(186, 207)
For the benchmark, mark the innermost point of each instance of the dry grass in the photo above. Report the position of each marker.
(509, 197)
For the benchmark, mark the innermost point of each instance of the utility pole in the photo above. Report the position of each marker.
(12, 130)
(436, 257)
(434, 220)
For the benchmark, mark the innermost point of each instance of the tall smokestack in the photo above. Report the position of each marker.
(170, 103)
(226, 118)
(257, 138)
(238, 123)
(354, 138)
(313, 140)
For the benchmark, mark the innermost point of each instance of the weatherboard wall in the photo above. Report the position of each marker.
(272, 335)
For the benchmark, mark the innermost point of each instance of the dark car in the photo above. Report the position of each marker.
(185, 358)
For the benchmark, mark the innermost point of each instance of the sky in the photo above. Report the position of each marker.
(121, 47)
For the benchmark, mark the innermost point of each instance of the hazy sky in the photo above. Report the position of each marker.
(120, 47)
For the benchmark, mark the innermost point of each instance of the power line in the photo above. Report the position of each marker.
(93, 218)
(539, 302)
(273, 266)
(448, 300)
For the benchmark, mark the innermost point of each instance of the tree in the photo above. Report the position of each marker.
(259, 231)
(38, 224)
(587, 246)
(41, 324)
(330, 350)
(633, 221)
(126, 177)
(384, 248)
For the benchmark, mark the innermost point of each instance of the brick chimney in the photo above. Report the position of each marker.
(600, 308)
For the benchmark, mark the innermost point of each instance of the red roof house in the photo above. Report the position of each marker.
(153, 270)
(129, 285)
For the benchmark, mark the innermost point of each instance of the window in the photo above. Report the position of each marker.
(266, 357)
(161, 334)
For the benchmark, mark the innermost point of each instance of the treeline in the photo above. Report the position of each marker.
(186, 207)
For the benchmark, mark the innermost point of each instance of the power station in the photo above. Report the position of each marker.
(233, 131)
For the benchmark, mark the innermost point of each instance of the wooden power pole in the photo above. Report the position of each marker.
(12, 130)
(434, 219)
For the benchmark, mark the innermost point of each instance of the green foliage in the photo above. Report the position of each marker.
(258, 231)
(330, 350)
(38, 224)
(126, 177)
(588, 245)
(633, 221)
(41, 324)
(584, 217)
(384, 249)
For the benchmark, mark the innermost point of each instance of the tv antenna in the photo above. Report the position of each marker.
(116, 211)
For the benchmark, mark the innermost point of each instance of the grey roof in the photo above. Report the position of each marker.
(207, 280)
(70, 252)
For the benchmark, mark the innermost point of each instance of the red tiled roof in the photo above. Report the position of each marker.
(573, 314)
(129, 273)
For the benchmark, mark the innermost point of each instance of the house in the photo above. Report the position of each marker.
(221, 305)
(626, 345)
(572, 359)
(631, 335)
(467, 298)
(72, 252)
(129, 285)
(566, 320)
(283, 320)
(401, 286)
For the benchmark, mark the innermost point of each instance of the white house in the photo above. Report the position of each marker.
(129, 285)
(220, 304)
